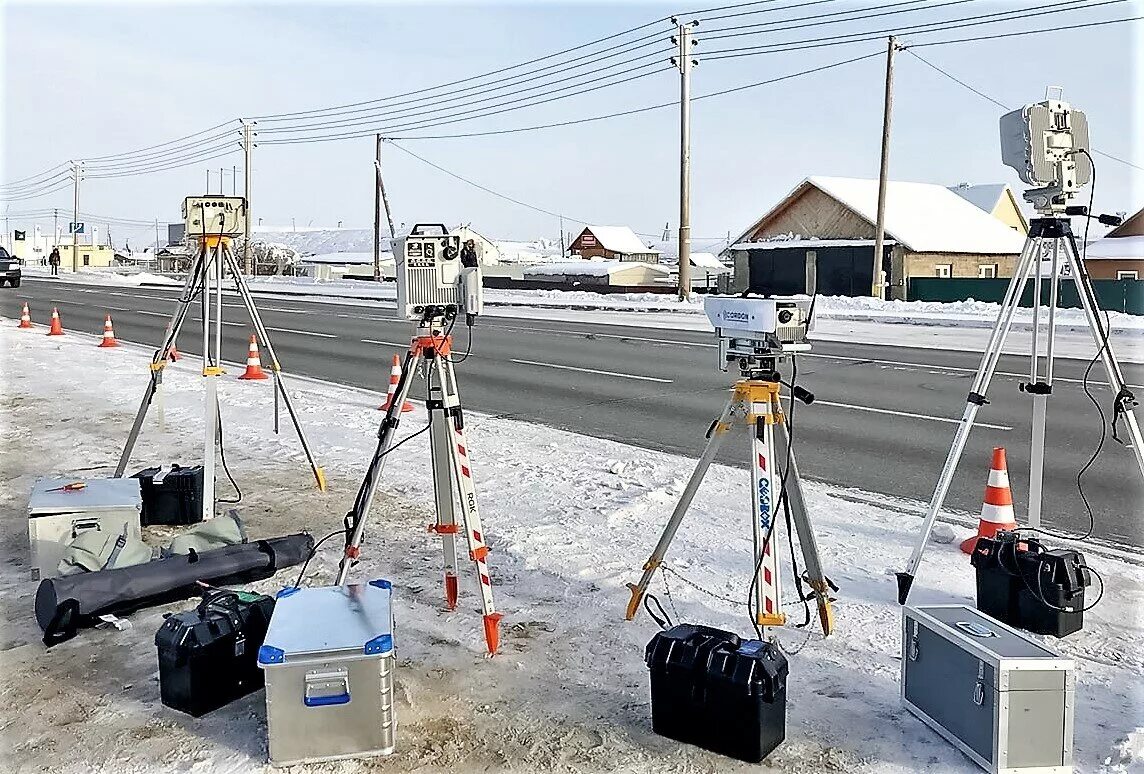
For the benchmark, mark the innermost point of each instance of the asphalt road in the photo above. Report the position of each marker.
(882, 422)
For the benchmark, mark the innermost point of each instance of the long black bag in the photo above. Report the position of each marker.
(64, 605)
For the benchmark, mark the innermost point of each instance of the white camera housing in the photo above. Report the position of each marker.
(433, 279)
(754, 328)
(1041, 141)
(214, 216)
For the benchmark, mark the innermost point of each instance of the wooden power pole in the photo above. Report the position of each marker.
(379, 193)
(247, 163)
(77, 168)
(878, 289)
(684, 62)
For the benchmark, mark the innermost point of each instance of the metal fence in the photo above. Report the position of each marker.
(1112, 295)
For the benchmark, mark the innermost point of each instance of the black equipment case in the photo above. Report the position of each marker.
(713, 690)
(208, 657)
(173, 496)
(1030, 587)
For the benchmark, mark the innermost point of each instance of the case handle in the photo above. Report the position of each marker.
(979, 694)
(325, 689)
(976, 629)
(84, 524)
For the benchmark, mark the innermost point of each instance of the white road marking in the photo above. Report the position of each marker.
(224, 322)
(591, 371)
(153, 314)
(591, 335)
(303, 333)
(402, 344)
(118, 308)
(909, 414)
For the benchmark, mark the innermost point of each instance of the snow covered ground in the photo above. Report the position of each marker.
(570, 520)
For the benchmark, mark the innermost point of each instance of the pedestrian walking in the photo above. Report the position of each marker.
(54, 261)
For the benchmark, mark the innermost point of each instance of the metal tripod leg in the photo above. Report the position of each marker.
(976, 400)
(715, 437)
(1123, 396)
(212, 370)
(467, 494)
(800, 517)
(1040, 388)
(385, 435)
(159, 361)
(444, 500)
(264, 338)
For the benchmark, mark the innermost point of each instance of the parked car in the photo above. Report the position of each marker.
(9, 269)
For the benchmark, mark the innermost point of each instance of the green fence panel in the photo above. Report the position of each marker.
(1112, 295)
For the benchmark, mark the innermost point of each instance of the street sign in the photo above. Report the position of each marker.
(75, 228)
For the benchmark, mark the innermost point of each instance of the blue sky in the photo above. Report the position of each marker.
(91, 79)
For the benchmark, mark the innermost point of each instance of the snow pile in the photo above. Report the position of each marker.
(122, 276)
(570, 520)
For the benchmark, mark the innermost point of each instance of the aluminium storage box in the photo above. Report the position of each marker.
(56, 516)
(1002, 698)
(329, 660)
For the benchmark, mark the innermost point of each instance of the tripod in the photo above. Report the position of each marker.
(1051, 237)
(204, 279)
(755, 403)
(452, 470)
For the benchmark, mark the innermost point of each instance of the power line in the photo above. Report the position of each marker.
(917, 29)
(474, 105)
(1030, 32)
(740, 30)
(1000, 104)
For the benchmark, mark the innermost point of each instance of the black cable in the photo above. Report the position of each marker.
(226, 469)
(822, 19)
(665, 621)
(1039, 592)
(313, 552)
(1000, 35)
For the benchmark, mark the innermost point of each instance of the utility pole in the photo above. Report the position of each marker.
(156, 250)
(77, 167)
(208, 182)
(234, 180)
(684, 62)
(879, 290)
(377, 210)
(248, 153)
(561, 236)
(55, 226)
(221, 192)
(388, 215)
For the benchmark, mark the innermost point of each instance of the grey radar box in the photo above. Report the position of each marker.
(1043, 141)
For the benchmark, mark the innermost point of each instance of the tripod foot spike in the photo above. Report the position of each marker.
(320, 477)
(905, 581)
(450, 591)
(634, 602)
(492, 632)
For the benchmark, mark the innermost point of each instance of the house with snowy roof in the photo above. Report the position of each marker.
(821, 236)
(618, 243)
(1119, 254)
(997, 199)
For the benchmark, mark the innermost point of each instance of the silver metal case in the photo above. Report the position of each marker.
(329, 659)
(55, 518)
(996, 694)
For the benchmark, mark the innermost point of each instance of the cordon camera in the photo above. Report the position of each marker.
(437, 275)
(219, 216)
(757, 332)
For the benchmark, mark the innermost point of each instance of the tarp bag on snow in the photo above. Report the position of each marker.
(64, 605)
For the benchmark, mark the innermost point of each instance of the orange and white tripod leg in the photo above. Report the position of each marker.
(764, 497)
(440, 441)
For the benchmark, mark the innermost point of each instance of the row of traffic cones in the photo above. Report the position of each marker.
(253, 361)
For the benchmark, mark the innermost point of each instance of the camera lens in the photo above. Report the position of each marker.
(785, 316)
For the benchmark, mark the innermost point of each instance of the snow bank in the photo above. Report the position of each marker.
(570, 519)
(125, 277)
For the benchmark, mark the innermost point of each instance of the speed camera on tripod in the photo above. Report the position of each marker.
(757, 332)
(219, 216)
(1044, 141)
(437, 274)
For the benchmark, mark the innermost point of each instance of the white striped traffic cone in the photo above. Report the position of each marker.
(108, 339)
(394, 378)
(253, 362)
(25, 318)
(997, 510)
(57, 328)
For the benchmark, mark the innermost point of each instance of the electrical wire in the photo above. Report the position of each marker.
(824, 19)
(1000, 35)
(312, 554)
(997, 102)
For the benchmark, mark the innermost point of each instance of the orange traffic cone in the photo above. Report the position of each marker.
(394, 378)
(253, 363)
(108, 339)
(57, 329)
(997, 510)
(25, 318)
